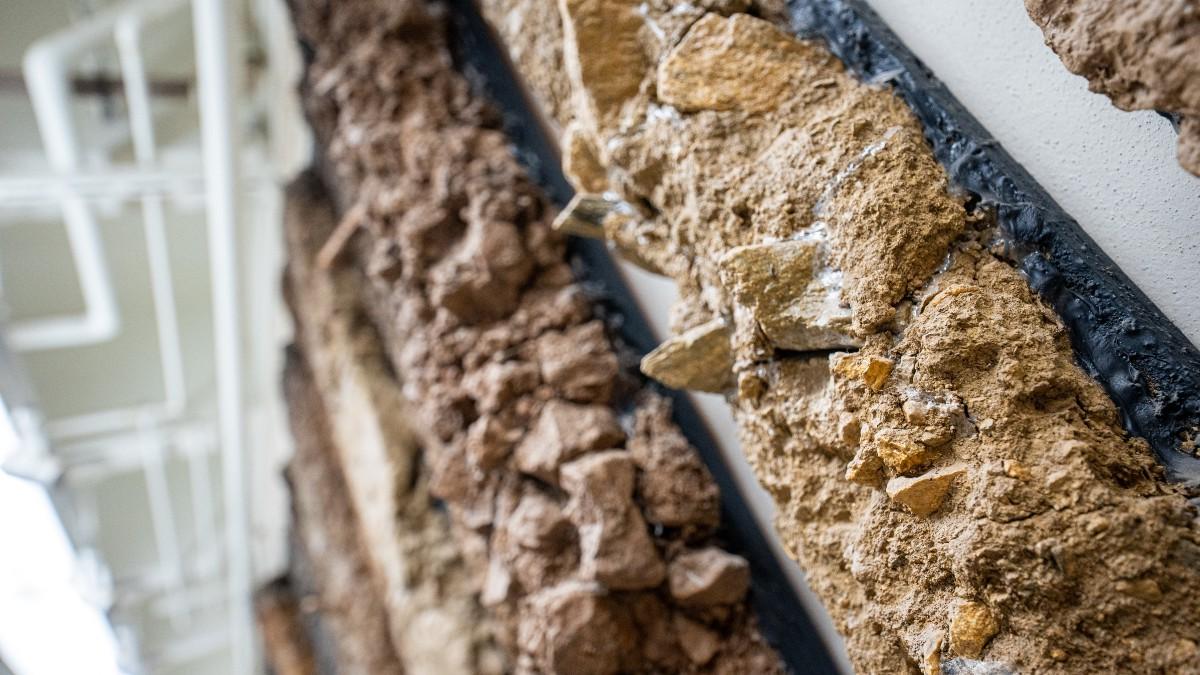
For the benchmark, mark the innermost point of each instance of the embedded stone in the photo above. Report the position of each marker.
(579, 362)
(973, 626)
(780, 283)
(707, 577)
(580, 161)
(699, 643)
(865, 468)
(871, 370)
(615, 547)
(537, 522)
(901, 453)
(602, 57)
(584, 215)
(736, 63)
(562, 432)
(575, 627)
(697, 359)
(924, 494)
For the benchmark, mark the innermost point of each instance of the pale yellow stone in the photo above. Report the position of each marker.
(973, 625)
(1015, 469)
(602, 57)
(924, 494)
(697, 359)
(902, 454)
(865, 467)
(780, 285)
(872, 370)
(735, 63)
(580, 161)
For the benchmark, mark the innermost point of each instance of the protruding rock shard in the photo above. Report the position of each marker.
(697, 359)
(782, 286)
(584, 215)
(924, 494)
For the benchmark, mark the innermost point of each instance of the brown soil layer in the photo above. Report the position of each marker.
(1142, 55)
(584, 523)
(434, 621)
(286, 647)
(347, 595)
(955, 487)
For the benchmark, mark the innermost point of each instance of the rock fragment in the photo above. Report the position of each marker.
(924, 494)
(562, 432)
(870, 369)
(781, 285)
(614, 542)
(576, 628)
(580, 163)
(697, 359)
(579, 363)
(708, 577)
(973, 625)
(537, 522)
(603, 59)
(900, 452)
(698, 642)
(584, 215)
(736, 63)
(675, 487)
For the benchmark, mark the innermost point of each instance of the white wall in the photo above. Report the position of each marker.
(1113, 171)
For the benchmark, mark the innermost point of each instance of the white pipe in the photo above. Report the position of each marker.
(214, 43)
(46, 73)
(141, 124)
(162, 516)
(115, 184)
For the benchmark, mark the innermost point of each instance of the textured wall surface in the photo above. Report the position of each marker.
(1113, 171)
(955, 487)
(529, 501)
(1142, 55)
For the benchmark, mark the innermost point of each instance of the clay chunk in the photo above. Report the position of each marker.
(579, 362)
(780, 284)
(924, 494)
(697, 359)
(562, 432)
(575, 628)
(614, 543)
(707, 577)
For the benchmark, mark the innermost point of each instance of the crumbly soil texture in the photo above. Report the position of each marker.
(960, 494)
(543, 512)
